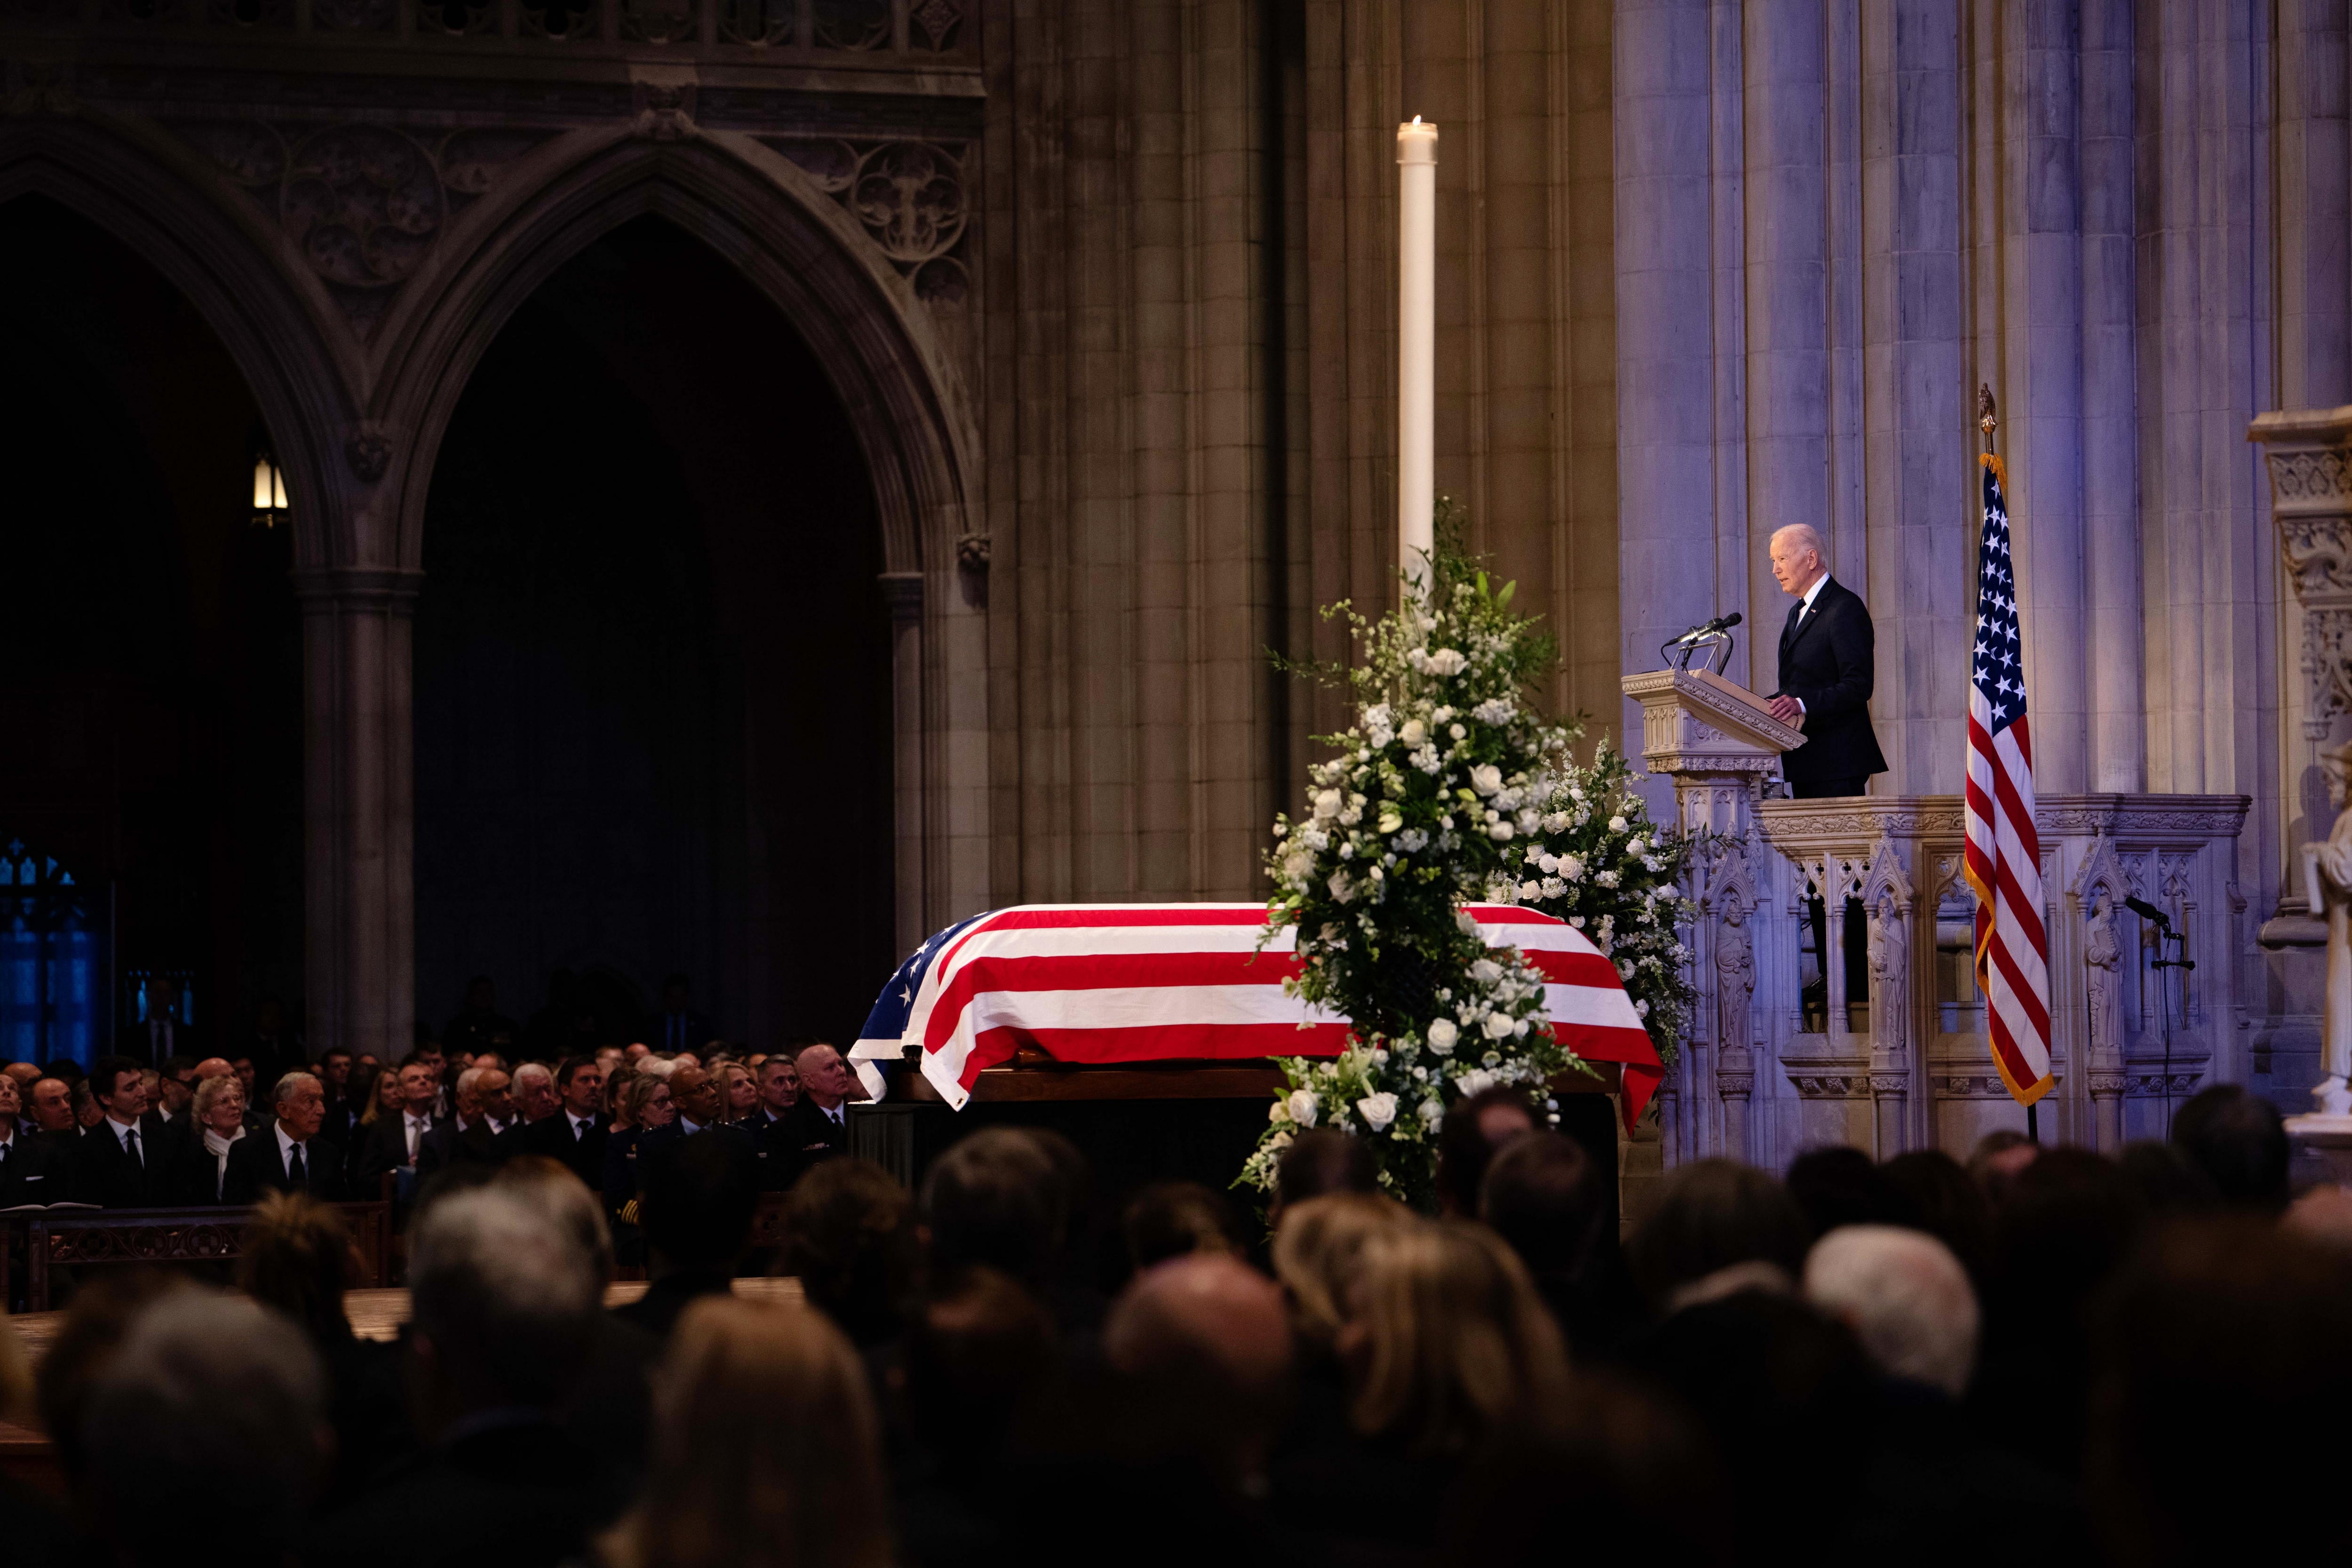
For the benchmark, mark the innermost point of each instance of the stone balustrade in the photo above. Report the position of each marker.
(1783, 1054)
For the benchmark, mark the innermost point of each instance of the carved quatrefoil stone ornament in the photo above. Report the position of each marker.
(908, 196)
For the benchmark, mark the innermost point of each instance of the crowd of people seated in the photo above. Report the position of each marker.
(186, 1133)
(2045, 1355)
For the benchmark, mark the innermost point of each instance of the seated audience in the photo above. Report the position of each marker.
(481, 1109)
(647, 1107)
(1549, 1200)
(297, 1259)
(1906, 1298)
(396, 1136)
(1472, 1134)
(1177, 1219)
(696, 1212)
(50, 1101)
(503, 1318)
(576, 1133)
(994, 1200)
(739, 1094)
(1718, 1227)
(1321, 1160)
(764, 1452)
(2239, 1142)
(849, 1239)
(111, 1165)
(291, 1157)
(1841, 1185)
(204, 1435)
(1947, 1204)
(30, 1165)
(816, 1126)
(200, 1175)
(1998, 1158)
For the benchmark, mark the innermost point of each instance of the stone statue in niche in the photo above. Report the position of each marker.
(1735, 976)
(1890, 972)
(2327, 883)
(2103, 951)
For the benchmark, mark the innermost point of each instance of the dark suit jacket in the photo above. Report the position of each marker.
(255, 1167)
(553, 1137)
(34, 1171)
(519, 1494)
(194, 1177)
(104, 1171)
(382, 1146)
(805, 1137)
(1827, 665)
(444, 1146)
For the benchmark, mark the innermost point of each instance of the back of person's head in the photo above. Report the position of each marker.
(505, 1305)
(1946, 1203)
(700, 1195)
(2070, 1219)
(849, 1238)
(554, 1190)
(1842, 1185)
(1905, 1296)
(1712, 1215)
(1548, 1199)
(1202, 1343)
(2238, 1140)
(1173, 1219)
(1998, 1158)
(1316, 1252)
(765, 1451)
(2225, 1339)
(212, 1411)
(1323, 1160)
(996, 1199)
(297, 1259)
(1475, 1129)
(95, 1326)
(978, 1345)
(1446, 1338)
(2169, 1182)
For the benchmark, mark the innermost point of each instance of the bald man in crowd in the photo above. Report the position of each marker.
(1827, 651)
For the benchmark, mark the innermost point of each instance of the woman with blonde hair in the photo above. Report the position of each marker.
(1316, 1253)
(765, 1449)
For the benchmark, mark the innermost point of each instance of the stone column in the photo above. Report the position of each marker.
(359, 808)
(1890, 1022)
(903, 592)
(2110, 536)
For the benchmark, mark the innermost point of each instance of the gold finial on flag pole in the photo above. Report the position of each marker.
(1987, 423)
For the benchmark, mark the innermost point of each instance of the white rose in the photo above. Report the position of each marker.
(1448, 661)
(1413, 733)
(1326, 803)
(1304, 1107)
(1442, 1034)
(1634, 846)
(1433, 1114)
(1530, 891)
(1616, 825)
(1278, 1112)
(1486, 778)
(1499, 1025)
(1378, 1110)
(1485, 972)
(1501, 831)
(1341, 889)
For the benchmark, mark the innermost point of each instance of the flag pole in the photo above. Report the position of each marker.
(1988, 421)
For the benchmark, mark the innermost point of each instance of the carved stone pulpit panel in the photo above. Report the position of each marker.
(2309, 451)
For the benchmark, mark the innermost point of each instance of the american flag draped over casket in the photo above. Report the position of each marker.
(1137, 983)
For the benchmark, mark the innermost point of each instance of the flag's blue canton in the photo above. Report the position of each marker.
(1999, 662)
(887, 1023)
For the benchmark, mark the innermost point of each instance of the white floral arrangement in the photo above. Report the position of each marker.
(1449, 789)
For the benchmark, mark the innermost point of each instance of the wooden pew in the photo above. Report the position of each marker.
(47, 1239)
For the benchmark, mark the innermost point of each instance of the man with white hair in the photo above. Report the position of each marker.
(1828, 655)
(1906, 1298)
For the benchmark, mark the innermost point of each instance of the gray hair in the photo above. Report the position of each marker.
(213, 1403)
(509, 1302)
(532, 1069)
(1905, 1297)
(1804, 533)
(467, 1079)
(289, 1085)
(211, 1089)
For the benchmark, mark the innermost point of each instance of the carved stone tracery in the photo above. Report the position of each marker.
(2310, 459)
(908, 196)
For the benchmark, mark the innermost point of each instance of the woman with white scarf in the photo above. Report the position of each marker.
(219, 1113)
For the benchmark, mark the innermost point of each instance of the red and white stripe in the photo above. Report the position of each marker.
(1137, 983)
(2004, 867)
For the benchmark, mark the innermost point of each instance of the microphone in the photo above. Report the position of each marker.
(1720, 624)
(2149, 912)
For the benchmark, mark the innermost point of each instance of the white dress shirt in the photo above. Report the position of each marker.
(581, 1125)
(419, 1124)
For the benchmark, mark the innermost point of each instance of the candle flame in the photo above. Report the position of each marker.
(1417, 120)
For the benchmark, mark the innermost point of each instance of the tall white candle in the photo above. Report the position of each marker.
(1416, 342)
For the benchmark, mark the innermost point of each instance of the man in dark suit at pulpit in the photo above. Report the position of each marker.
(1828, 650)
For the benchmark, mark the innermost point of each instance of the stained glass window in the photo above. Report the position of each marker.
(53, 982)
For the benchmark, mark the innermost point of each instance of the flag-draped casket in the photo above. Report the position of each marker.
(1098, 984)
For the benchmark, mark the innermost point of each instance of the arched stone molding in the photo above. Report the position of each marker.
(116, 178)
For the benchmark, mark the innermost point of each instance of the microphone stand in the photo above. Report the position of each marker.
(2159, 962)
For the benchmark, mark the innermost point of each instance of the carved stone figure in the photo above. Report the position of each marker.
(1890, 972)
(2103, 953)
(2327, 882)
(1735, 975)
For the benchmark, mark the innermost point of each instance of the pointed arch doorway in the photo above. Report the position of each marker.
(653, 664)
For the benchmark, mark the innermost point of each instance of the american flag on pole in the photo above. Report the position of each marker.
(1137, 983)
(2004, 854)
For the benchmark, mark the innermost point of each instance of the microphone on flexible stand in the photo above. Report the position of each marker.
(1720, 624)
(2149, 912)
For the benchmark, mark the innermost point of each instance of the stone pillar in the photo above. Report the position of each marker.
(359, 808)
(2310, 458)
(903, 592)
(2111, 538)
(1890, 1022)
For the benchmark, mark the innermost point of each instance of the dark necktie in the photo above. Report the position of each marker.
(296, 1177)
(131, 1143)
